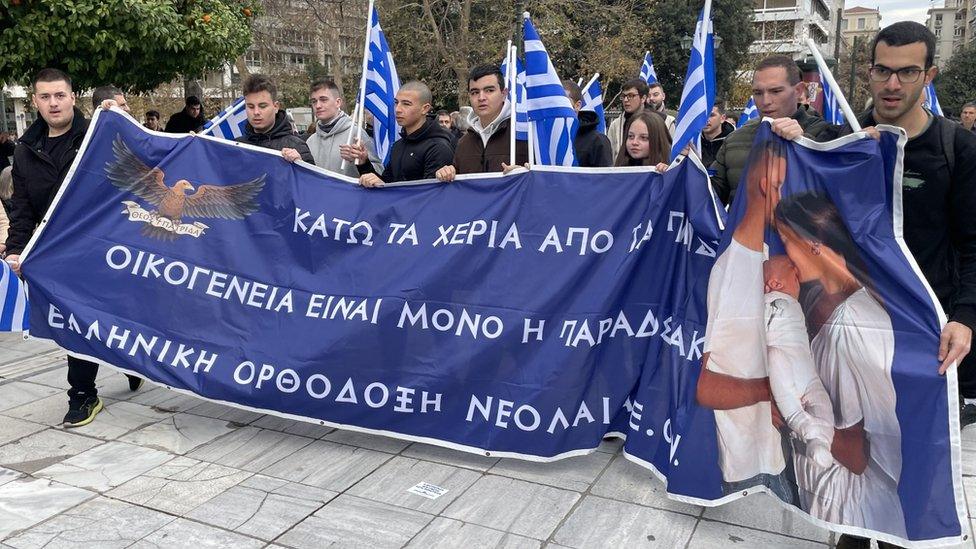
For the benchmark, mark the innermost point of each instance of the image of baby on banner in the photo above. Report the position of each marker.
(821, 349)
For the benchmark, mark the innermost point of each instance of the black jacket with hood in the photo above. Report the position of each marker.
(278, 137)
(592, 147)
(37, 178)
(418, 155)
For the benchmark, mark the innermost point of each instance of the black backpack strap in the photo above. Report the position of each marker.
(948, 135)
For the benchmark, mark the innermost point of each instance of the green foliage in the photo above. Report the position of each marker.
(134, 44)
(956, 85)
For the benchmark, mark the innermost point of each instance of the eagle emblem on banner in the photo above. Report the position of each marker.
(172, 203)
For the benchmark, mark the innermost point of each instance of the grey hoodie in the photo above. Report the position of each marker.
(325, 147)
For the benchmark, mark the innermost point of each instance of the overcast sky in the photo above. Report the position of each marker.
(893, 11)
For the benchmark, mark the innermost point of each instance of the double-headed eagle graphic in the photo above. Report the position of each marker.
(129, 173)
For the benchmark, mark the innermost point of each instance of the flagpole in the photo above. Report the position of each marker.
(510, 76)
(362, 81)
(579, 81)
(838, 94)
(531, 136)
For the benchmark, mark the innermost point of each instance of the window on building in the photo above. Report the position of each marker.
(780, 4)
(843, 24)
(860, 23)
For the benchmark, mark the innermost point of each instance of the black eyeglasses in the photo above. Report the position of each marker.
(906, 75)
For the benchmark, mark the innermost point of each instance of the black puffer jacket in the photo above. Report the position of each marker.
(37, 178)
(418, 155)
(592, 147)
(278, 137)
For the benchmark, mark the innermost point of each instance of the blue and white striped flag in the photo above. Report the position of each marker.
(550, 111)
(229, 123)
(13, 301)
(521, 106)
(382, 84)
(832, 112)
(698, 95)
(748, 113)
(593, 101)
(647, 72)
(931, 101)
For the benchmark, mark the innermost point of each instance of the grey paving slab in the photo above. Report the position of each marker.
(262, 507)
(33, 345)
(627, 481)
(292, 426)
(101, 523)
(179, 485)
(179, 433)
(226, 413)
(606, 523)
(512, 505)
(182, 533)
(390, 483)
(119, 418)
(42, 449)
(28, 501)
(969, 451)
(575, 473)
(165, 400)
(106, 466)
(8, 475)
(349, 521)
(12, 428)
(719, 534)
(46, 411)
(611, 445)
(448, 456)
(763, 512)
(250, 448)
(363, 440)
(328, 465)
(18, 393)
(444, 533)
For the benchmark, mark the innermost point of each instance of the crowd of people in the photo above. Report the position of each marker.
(939, 164)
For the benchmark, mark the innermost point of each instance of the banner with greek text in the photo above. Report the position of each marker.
(527, 315)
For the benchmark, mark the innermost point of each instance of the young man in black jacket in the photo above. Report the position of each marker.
(41, 162)
(267, 124)
(423, 148)
(190, 119)
(592, 147)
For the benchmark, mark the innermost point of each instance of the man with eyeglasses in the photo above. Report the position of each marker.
(632, 95)
(939, 196)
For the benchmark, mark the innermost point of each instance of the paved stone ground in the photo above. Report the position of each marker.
(158, 469)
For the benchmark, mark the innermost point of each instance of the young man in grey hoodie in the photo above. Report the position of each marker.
(332, 129)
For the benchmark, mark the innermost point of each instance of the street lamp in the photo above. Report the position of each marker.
(687, 41)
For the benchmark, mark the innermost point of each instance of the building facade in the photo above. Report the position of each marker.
(783, 26)
(860, 22)
(951, 26)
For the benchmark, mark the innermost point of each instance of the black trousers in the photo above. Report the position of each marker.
(81, 378)
(967, 375)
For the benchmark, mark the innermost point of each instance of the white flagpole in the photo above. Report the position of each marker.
(838, 94)
(590, 82)
(362, 81)
(579, 81)
(510, 76)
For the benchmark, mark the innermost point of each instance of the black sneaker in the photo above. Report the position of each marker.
(82, 413)
(847, 541)
(135, 382)
(967, 414)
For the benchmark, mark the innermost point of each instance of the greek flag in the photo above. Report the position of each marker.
(593, 101)
(831, 109)
(748, 113)
(229, 123)
(647, 72)
(521, 107)
(931, 101)
(13, 301)
(550, 111)
(382, 84)
(698, 95)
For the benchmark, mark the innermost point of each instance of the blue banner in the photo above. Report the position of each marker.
(526, 315)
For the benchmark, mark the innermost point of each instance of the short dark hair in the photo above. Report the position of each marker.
(969, 105)
(192, 100)
(653, 85)
(573, 91)
(328, 84)
(257, 83)
(482, 71)
(782, 62)
(152, 113)
(102, 93)
(904, 33)
(51, 75)
(442, 112)
(638, 84)
(720, 105)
